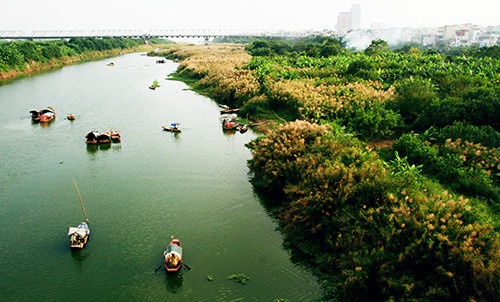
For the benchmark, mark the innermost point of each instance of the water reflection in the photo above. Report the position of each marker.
(46, 124)
(79, 256)
(92, 148)
(173, 281)
(104, 146)
(229, 132)
(272, 203)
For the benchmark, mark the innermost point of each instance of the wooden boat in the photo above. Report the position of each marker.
(174, 127)
(160, 61)
(243, 128)
(91, 137)
(35, 115)
(152, 87)
(228, 111)
(229, 123)
(171, 129)
(44, 115)
(79, 235)
(115, 136)
(104, 137)
(70, 117)
(47, 117)
(173, 256)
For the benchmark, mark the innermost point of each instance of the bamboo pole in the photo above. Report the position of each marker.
(81, 202)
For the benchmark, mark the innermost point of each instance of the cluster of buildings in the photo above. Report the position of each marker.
(348, 27)
(347, 21)
(459, 35)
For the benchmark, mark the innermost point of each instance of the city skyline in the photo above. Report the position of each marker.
(225, 14)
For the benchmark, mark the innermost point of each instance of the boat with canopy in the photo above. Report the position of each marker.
(173, 256)
(78, 236)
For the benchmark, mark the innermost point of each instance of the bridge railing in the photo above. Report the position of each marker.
(153, 33)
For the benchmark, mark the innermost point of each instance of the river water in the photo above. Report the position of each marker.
(137, 193)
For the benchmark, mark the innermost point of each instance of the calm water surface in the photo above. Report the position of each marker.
(137, 193)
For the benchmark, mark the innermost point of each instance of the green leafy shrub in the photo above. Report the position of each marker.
(465, 167)
(371, 234)
(413, 96)
(484, 135)
(241, 278)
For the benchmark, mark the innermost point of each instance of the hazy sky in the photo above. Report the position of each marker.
(242, 14)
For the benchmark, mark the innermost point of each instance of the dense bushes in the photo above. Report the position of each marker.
(16, 55)
(431, 89)
(465, 167)
(375, 229)
(313, 47)
(376, 235)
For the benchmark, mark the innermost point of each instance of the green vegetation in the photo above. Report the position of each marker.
(241, 278)
(416, 219)
(374, 229)
(24, 56)
(155, 84)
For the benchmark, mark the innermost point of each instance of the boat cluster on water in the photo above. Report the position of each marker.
(43, 115)
(79, 235)
(104, 137)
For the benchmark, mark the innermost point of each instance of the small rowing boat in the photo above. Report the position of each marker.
(115, 136)
(230, 123)
(79, 235)
(174, 127)
(104, 137)
(91, 138)
(70, 117)
(173, 256)
(228, 111)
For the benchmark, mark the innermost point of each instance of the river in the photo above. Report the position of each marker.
(193, 185)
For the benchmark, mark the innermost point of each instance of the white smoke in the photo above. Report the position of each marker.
(360, 39)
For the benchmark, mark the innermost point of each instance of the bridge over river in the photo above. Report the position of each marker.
(146, 34)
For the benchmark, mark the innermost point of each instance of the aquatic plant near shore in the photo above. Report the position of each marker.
(155, 84)
(241, 278)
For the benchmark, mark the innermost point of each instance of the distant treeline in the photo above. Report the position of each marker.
(16, 55)
(312, 46)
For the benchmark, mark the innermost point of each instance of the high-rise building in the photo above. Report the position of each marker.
(344, 22)
(349, 20)
(355, 16)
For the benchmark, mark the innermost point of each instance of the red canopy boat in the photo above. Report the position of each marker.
(173, 256)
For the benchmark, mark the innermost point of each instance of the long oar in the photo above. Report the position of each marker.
(187, 266)
(159, 267)
(81, 201)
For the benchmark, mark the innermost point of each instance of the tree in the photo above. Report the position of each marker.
(331, 47)
(413, 96)
(11, 55)
(377, 46)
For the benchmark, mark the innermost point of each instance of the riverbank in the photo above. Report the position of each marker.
(374, 226)
(34, 67)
